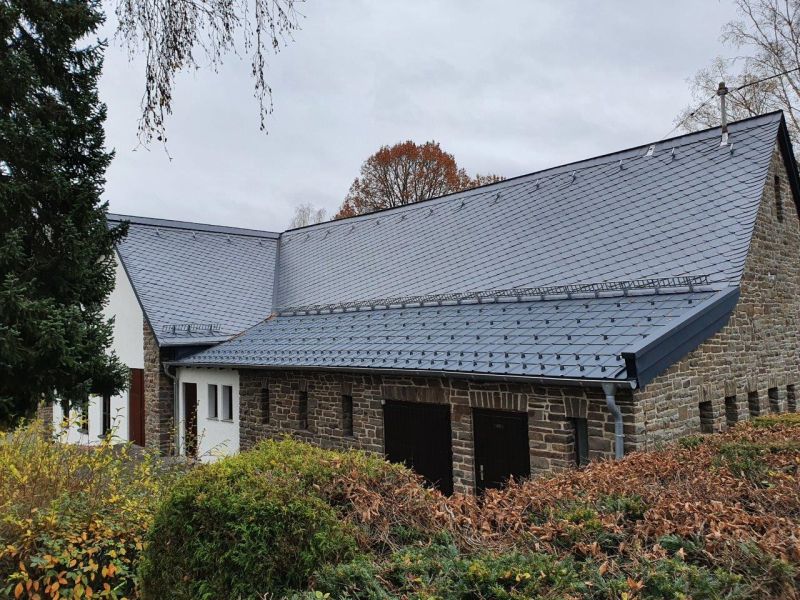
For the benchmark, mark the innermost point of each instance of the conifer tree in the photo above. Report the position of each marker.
(56, 250)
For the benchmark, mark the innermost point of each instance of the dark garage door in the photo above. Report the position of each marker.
(501, 447)
(418, 435)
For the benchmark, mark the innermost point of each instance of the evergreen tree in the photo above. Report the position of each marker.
(56, 250)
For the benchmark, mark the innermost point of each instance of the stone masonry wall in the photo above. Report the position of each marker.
(752, 365)
(549, 410)
(159, 395)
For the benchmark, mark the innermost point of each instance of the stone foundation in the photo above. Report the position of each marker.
(549, 409)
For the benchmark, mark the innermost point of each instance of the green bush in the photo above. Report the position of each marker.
(259, 522)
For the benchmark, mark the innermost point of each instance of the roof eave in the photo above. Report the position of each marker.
(472, 376)
(653, 355)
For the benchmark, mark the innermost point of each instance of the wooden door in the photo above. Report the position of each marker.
(136, 407)
(190, 418)
(501, 447)
(418, 435)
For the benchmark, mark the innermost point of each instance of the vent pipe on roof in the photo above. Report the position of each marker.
(722, 91)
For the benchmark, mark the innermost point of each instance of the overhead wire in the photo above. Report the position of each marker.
(714, 95)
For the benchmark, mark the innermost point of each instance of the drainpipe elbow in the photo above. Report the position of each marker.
(610, 390)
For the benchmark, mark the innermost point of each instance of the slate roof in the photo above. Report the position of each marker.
(578, 338)
(687, 209)
(607, 269)
(198, 284)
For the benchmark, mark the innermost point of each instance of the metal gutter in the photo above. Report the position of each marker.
(654, 354)
(571, 381)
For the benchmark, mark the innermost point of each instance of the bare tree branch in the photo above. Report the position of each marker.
(768, 36)
(172, 33)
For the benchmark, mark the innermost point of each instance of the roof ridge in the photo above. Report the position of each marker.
(192, 226)
(578, 165)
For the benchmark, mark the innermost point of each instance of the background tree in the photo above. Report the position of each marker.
(307, 214)
(172, 34)
(405, 173)
(56, 251)
(768, 37)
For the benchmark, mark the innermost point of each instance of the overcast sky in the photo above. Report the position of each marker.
(506, 90)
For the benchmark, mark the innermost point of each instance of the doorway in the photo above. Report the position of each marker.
(501, 447)
(418, 435)
(190, 419)
(136, 407)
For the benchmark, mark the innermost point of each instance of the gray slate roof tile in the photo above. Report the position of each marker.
(688, 210)
(659, 216)
(573, 338)
(192, 277)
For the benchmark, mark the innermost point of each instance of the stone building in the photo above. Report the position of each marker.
(579, 312)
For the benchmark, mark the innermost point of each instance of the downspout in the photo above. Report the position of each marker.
(619, 433)
(175, 406)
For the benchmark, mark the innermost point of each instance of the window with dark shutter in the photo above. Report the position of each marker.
(580, 430)
(302, 410)
(347, 415)
(265, 405)
(731, 411)
(227, 403)
(778, 198)
(106, 414)
(83, 416)
(213, 406)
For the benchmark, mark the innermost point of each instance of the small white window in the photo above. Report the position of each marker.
(227, 403)
(213, 411)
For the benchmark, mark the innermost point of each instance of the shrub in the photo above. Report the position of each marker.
(73, 518)
(789, 420)
(718, 519)
(264, 520)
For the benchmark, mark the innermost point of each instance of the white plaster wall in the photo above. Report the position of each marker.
(216, 437)
(128, 343)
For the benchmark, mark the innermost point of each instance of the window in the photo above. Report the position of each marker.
(83, 416)
(347, 415)
(731, 411)
(227, 403)
(106, 415)
(774, 400)
(265, 405)
(580, 430)
(791, 399)
(752, 404)
(302, 410)
(706, 417)
(213, 407)
(778, 198)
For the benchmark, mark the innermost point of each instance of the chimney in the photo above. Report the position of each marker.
(722, 91)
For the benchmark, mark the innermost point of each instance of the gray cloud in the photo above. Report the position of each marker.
(506, 87)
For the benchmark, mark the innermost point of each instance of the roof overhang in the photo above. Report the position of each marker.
(654, 354)
(470, 376)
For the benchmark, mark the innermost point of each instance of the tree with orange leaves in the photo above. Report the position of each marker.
(406, 173)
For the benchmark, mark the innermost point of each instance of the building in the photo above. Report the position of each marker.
(579, 312)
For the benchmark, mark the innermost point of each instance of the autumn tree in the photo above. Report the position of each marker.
(767, 39)
(406, 173)
(307, 214)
